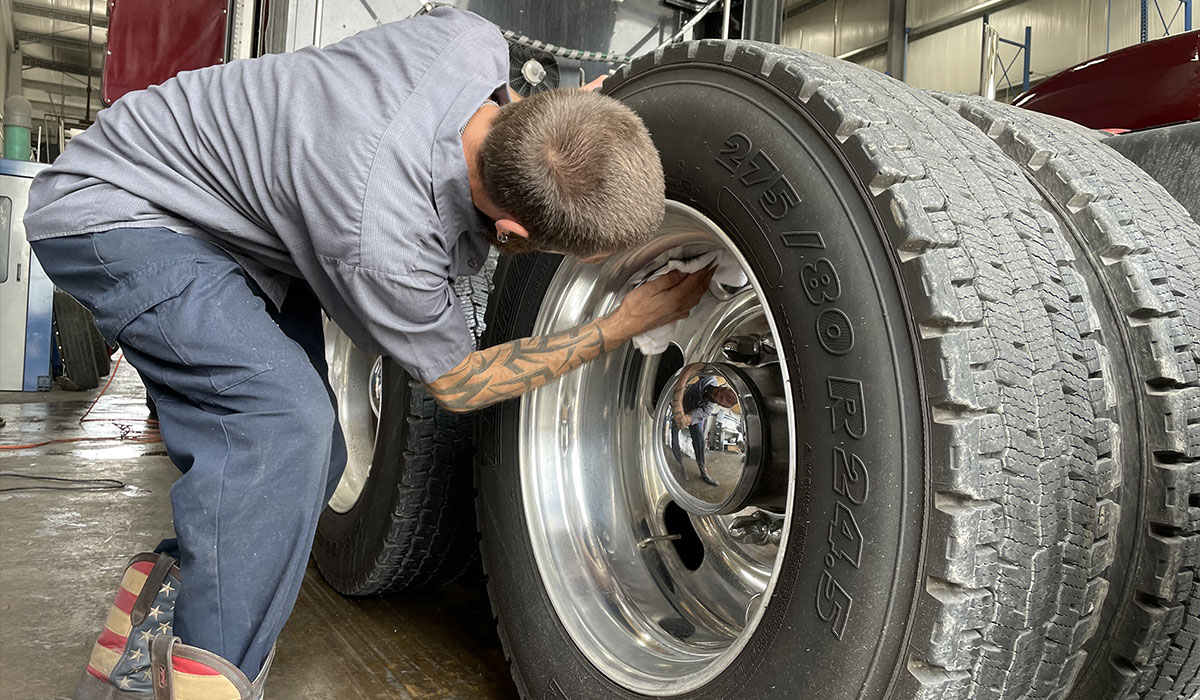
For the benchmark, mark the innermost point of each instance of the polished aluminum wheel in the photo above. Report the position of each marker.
(658, 574)
(357, 381)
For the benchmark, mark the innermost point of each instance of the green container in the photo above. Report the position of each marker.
(16, 142)
(18, 118)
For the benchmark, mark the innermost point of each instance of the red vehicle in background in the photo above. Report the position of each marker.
(1149, 94)
(1141, 86)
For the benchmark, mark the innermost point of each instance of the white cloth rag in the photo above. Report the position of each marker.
(729, 273)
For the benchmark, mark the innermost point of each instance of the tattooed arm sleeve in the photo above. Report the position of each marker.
(515, 368)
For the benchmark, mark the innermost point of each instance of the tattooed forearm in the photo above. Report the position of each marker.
(506, 371)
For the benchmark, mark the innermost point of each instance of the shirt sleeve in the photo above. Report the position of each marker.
(415, 318)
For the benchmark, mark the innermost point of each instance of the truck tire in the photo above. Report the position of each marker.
(946, 386)
(73, 326)
(408, 522)
(1169, 155)
(1144, 252)
(100, 351)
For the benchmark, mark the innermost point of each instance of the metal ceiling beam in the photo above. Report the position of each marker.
(52, 108)
(23, 8)
(868, 51)
(54, 88)
(61, 42)
(951, 20)
(57, 106)
(62, 66)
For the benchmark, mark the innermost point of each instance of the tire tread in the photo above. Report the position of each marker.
(1150, 248)
(431, 538)
(74, 326)
(429, 541)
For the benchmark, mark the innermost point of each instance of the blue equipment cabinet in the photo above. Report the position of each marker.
(26, 293)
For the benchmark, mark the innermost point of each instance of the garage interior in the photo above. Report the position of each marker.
(85, 477)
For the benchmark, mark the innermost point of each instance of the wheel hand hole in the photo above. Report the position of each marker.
(689, 547)
(669, 363)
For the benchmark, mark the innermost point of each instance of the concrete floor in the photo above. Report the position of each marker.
(62, 553)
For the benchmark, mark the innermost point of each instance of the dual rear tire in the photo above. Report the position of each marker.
(989, 325)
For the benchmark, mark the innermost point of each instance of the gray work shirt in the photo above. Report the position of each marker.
(342, 166)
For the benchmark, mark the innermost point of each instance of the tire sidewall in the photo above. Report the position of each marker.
(801, 648)
(339, 543)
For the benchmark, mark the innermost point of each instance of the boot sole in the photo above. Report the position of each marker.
(92, 688)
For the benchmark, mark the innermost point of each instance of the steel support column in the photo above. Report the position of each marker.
(987, 61)
(1028, 43)
(91, 28)
(762, 20)
(897, 37)
(15, 61)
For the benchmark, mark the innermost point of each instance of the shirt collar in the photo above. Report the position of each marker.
(463, 225)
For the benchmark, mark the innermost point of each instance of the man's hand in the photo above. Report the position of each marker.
(658, 302)
(515, 368)
(595, 84)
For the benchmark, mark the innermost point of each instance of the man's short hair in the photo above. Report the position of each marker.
(577, 169)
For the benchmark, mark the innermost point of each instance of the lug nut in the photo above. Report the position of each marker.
(746, 349)
(759, 528)
(750, 349)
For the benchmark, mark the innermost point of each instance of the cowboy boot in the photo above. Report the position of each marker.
(181, 671)
(119, 668)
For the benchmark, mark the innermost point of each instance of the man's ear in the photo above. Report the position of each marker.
(511, 228)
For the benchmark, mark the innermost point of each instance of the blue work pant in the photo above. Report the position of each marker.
(245, 411)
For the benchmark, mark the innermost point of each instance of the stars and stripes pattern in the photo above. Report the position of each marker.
(121, 655)
(195, 676)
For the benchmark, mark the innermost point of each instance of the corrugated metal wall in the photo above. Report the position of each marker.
(1064, 33)
(834, 27)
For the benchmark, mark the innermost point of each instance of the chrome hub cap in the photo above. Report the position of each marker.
(659, 576)
(711, 446)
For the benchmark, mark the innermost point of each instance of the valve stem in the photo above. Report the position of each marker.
(657, 538)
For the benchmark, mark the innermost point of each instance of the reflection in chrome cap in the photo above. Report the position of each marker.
(710, 433)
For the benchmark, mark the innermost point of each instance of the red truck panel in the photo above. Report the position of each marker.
(1144, 85)
(150, 41)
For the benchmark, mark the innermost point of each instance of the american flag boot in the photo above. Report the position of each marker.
(182, 672)
(119, 667)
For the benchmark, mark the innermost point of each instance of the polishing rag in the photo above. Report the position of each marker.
(729, 273)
